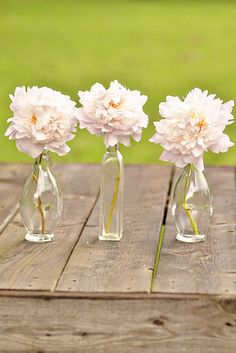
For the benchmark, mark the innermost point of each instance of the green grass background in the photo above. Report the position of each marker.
(158, 47)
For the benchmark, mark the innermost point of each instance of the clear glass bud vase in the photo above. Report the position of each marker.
(111, 198)
(41, 202)
(192, 208)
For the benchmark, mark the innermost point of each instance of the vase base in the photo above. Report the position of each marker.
(110, 237)
(38, 237)
(190, 238)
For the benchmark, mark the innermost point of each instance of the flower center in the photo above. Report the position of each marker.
(114, 105)
(201, 124)
(33, 119)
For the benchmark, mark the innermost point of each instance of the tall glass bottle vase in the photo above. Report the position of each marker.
(41, 202)
(192, 208)
(111, 198)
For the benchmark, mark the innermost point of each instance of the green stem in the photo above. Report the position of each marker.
(185, 207)
(114, 199)
(40, 202)
(40, 207)
(158, 254)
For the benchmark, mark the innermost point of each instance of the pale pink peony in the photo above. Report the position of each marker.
(43, 119)
(193, 126)
(116, 112)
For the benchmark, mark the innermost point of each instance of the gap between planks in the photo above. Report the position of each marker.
(47, 295)
(126, 266)
(210, 266)
(12, 177)
(75, 244)
(9, 218)
(28, 266)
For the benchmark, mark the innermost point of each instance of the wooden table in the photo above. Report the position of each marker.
(78, 294)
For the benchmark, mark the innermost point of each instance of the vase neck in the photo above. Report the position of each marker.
(190, 168)
(112, 149)
(191, 173)
(43, 159)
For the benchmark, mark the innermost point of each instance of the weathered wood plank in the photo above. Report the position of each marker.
(208, 267)
(94, 307)
(25, 265)
(125, 266)
(12, 177)
(113, 326)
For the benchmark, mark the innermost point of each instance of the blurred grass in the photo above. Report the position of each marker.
(157, 47)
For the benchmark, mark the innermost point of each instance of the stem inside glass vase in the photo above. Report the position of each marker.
(40, 202)
(185, 206)
(114, 199)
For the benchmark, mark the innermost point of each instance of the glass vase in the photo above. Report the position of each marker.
(192, 207)
(111, 197)
(41, 202)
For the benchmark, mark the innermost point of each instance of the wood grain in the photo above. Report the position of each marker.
(12, 177)
(208, 267)
(116, 326)
(79, 294)
(25, 265)
(125, 266)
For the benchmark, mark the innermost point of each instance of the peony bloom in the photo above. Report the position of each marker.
(116, 112)
(192, 126)
(43, 119)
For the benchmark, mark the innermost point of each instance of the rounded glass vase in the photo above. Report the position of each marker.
(192, 206)
(111, 196)
(41, 202)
